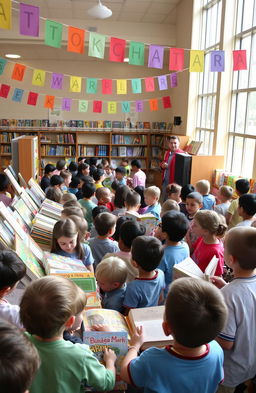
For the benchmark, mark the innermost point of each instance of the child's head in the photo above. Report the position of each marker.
(4, 182)
(98, 175)
(66, 237)
(120, 172)
(129, 230)
(240, 247)
(49, 306)
(225, 193)
(173, 192)
(103, 195)
(81, 225)
(140, 190)
(111, 273)
(194, 202)
(247, 205)
(49, 169)
(195, 312)
(56, 181)
(119, 223)
(67, 176)
(208, 222)
(19, 359)
(83, 169)
(147, 252)
(114, 185)
(132, 200)
(73, 166)
(61, 165)
(54, 194)
(75, 182)
(104, 163)
(174, 226)
(203, 186)
(242, 186)
(120, 196)
(71, 202)
(169, 205)
(72, 210)
(68, 197)
(99, 209)
(185, 190)
(105, 224)
(136, 165)
(12, 270)
(124, 162)
(88, 190)
(152, 195)
(81, 160)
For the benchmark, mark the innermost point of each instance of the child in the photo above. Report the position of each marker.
(173, 192)
(77, 210)
(73, 185)
(224, 196)
(5, 187)
(54, 194)
(247, 209)
(193, 362)
(237, 338)
(50, 305)
(119, 200)
(207, 225)
(95, 211)
(111, 274)
(48, 172)
(98, 176)
(125, 164)
(73, 167)
(139, 177)
(88, 191)
(185, 190)
(81, 225)
(83, 170)
(203, 186)
(66, 175)
(169, 205)
(67, 241)
(242, 187)
(105, 225)
(67, 197)
(194, 202)
(152, 195)
(174, 228)
(104, 197)
(109, 176)
(19, 360)
(143, 207)
(147, 289)
(132, 201)
(121, 175)
(12, 270)
(60, 166)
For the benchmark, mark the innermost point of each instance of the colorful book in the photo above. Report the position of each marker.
(188, 268)
(148, 220)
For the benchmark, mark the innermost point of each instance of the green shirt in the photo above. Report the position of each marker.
(64, 366)
(88, 205)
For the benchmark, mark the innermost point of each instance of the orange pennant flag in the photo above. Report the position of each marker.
(75, 40)
(49, 101)
(18, 72)
(153, 104)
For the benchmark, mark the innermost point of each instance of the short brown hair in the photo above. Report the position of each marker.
(226, 191)
(54, 194)
(48, 303)
(240, 242)
(169, 205)
(132, 199)
(68, 211)
(203, 186)
(195, 310)
(104, 222)
(68, 198)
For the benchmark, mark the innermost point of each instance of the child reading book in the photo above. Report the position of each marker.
(132, 201)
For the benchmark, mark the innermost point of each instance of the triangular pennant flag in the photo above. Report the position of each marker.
(136, 53)
(18, 72)
(57, 81)
(29, 20)
(4, 90)
(49, 102)
(153, 104)
(136, 85)
(173, 80)
(239, 60)
(97, 45)
(112, 107)
(97, 106)
(126, 107)
(162, 82)
(91, 85)
(17, 95)
(139, 106)
(217, 61)
(53, 33)
(2, 65)
(82, 106)
(75, 40)
(149, 84)
(32, 98)
(106, 86)
(121, 86)
(38, 78)
(196, 63)
(5, 14)
(117, 49)
(66, 104)
(75, 84)
(176, 60)
(166, 102)
(156, 56)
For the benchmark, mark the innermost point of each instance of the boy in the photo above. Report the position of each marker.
(194, 202)
(48, 172)
(203, 186)
(139, 177)
(56, 181)
(237, 338)
(125, 164)
(242, 187)
(105, 225)
(169, 205)
(103, 195)
(185, 190)
(98, 177)
(152, 195)
(121, 175)
(74, 185)
(19, 360)
(95, 211)
(193, 363)
(174, 228)
(5, 187)
(224, 196)
(12, 270)
(50, 305)
(88, 191)
(147, 289)
(111, 274)
(247, 209)
(132, 201)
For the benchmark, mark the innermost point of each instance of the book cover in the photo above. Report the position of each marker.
(148, 220)
(188, 268)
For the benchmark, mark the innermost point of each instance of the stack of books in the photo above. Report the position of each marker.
(42, 231)
(51, 209)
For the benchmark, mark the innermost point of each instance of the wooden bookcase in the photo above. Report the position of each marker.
(25, 156)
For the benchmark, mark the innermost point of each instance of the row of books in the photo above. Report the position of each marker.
(93, 151)
(5, 149)
(124, 151)
(222, 177)
(158, 140)
(129, 139)
(49, 150)
(7, 137)
(157, 152)
(59, 138)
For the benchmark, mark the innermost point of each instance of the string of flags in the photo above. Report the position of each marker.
(29, 25)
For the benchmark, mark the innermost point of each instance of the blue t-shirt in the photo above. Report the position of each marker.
(155, 210)
(100, 247)
(163, 370)
(144, 292)
(208, 202)
(113, 300)
(172, 255)
(87, 260)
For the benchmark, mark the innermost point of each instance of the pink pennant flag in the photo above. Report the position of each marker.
(106, 86)
(239, 60)
(166, 102)
(32, 98)
(149, 84)
(156, 56)
(97, 106)
(66, 104)
(29, 20)
(176, 60)
(4, 90)
(117, 49)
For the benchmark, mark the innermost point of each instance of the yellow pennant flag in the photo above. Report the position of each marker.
(38, 78)
(196, 63)
(112, 107)
(121, 86)
(75, 84)
(5, 14)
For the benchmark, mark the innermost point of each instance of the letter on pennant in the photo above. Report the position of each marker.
(153, 104)
(176, 60)
(106, 86)
(49, 102)
(4, 90)
(97, 45)
(239, 60)
(97, 106)
(5, 14)
(32, 98)
(18, 72)
(136, 53)
(29, 20)
(121, 86)
(38, 78)
(53, 33)
(117, 49)
(196, 63)
(156, 56)
(75, 40)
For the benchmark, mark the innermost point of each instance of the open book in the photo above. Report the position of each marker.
(147, 219)
(150, 318)
(188, 268)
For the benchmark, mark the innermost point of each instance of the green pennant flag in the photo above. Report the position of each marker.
(136, 53)
(91, 85)
(136, 85)
(126, 107)
(83, 106)
(97, 45)
(2, 65)
(53, 33)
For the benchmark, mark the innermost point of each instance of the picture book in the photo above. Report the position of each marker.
(148, 220)
(188, 268)
(34, 269)
(117, 341)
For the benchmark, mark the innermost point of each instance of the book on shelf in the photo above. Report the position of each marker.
(150, 318)
(122, 151)
(188, 268)
(148, 220)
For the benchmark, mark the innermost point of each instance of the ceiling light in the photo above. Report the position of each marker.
(12, 56)
(99, 11)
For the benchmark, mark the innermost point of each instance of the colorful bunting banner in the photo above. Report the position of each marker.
(112, 107)
(49, 102)
(239, 60)
(196, 63)
(82, 106)
(75, 84)
(4, 90)
(156, 56)
(2, 65)
(136, 53)
(66, 104)
(97, 45)
(106, 86)
(117, 49)
(32, 98)
(5, 14)
(97, 106)
(176, 59)
(149, 84)
(153, 104)
(139, 106)
(29, 20)
(17, 95)
(38, 78)
(18, 72)
(91, 85)
(126, 107)
(75, 40)
(136, 86)
(53, 33)
(121, 86)
(162, 82)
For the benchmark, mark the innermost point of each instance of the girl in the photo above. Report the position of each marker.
(120, 196)
(173, 192)
(143, 205)
(208, 226)
(67, 241)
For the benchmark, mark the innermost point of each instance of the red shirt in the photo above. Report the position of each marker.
(204, 252)
(109, 205)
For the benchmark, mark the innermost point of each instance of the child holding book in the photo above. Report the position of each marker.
(247, 209)
(12, 270)
(5, 187)
(203, 186)
(111, 275)
(242, 187)
(50, 305)
(147, 289)
(224, 196)
(104, 197)
(88, 191)
(121, 175)
(152, 196)
(193, 362)
(67, 241)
